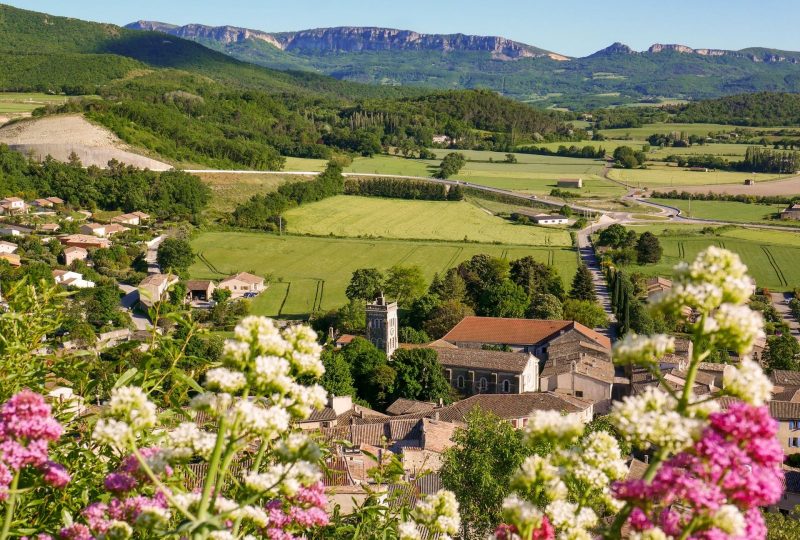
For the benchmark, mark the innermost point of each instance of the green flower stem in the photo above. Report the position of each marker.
(10, 506)
(213, 466)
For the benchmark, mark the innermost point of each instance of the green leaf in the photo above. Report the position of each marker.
(184, 378)
(66, 517)
(126, 377)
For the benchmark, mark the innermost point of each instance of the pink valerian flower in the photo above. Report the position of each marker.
(306, 509)
(129, 474)
(76, 531)
(736, 461)
(26, 429)
(99, 517)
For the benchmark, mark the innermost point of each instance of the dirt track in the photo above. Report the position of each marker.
(789, 186)
(59, 136)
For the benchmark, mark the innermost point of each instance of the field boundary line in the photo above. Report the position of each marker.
(208, 263)
(451, 261)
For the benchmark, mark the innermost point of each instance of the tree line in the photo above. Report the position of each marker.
(400, 188)
(167, 194)
(711, 196)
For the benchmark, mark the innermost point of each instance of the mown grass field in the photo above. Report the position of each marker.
(371, 217)
(727, 210)
(641, 133)
(771, 256)
(229, 189)
(660, 176)
(311, 273)
(25, 102)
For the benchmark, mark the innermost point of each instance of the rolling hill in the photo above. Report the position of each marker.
(614, 75)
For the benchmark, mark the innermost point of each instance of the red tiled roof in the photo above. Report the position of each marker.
(509, 362)
(516, 331)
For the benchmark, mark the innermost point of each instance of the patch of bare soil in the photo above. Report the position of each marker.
(58, 136)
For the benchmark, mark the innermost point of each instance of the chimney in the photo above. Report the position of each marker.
(436, 416)
(441, 403)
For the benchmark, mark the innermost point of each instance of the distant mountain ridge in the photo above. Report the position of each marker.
(612, 76)
(354, 39)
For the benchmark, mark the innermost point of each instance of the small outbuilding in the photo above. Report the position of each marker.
(570, 183)
(550, 219)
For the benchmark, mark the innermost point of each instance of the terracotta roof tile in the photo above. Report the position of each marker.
(785, 377)
(479, 359)
(406, 406)
(516, 331)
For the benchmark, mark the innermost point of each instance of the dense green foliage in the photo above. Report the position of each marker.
(169, 194)
(451, 164)
(175, 254)
(419, 376)
(648, 248)
(754, 109)
(582, 286)
(399, 188)
(265, 211)
(711, 196)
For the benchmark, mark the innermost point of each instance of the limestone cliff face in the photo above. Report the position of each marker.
(355, 39)
(755, 55)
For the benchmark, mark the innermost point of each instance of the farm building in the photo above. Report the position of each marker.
(698, 169)
(199, 290)
(570, 183)
(549, 219)
(749, 182)
(242, 283)
(792, 212)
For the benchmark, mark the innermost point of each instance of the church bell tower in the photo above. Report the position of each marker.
(382, 324)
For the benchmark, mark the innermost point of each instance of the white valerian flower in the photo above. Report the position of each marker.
(271, 374)
(408, 531)
(152, 516)
(298, 446)
(113, 433)
(254, 514)
(306, 399)
(552, 425)
(720, 268)
(522, 514)
(650, 534)
(438, 513)
(599, 461)
(118, 530)
(737, 328)
(221, 535)
(747, 382)
(537, 471)
(188, 440)
(212, 403)
(306, 350)
(730, 520)
(268, 423)
(703, 297)
(642, 350)
(284, 478)
(225, 379)
(650, 418)
(570, 522)
(130, 404)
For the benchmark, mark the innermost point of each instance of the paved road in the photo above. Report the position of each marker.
(589, 258)
(779, 301)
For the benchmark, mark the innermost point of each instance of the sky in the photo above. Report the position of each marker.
(574, 28)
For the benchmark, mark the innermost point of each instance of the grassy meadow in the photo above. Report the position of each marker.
(727, 210)
(311, 273)
(351, 216)
(661, 176)
(228, 190)
(15, 103)
(641, 133)
(771, 256)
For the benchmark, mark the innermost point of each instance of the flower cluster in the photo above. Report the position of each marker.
(747, 382)
(26, 429)
(128, 414)
(643, 350)
(303, 510)
(554, 426)
(523, 520)
(437, 514)
(721, 481)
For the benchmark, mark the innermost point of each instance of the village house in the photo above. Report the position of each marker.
(791, 212)
(72, 254)
(153, 287)
(476, 371)
(15, 230)
(46, 203)
(11, 258)
(96, 229)
(402, 406)
(13, 205)
(49, 228)
(655, 286)
(338, 411)
(787, 414)
(114, 228)
(134, 218)
(549, 219)
(68, 278)
(343, 340)
(199, 290)
(243, 284)
(7, 247)
(84, 241)
(522, 335)
(570, 183)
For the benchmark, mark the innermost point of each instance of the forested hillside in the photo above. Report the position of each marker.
(762, 109)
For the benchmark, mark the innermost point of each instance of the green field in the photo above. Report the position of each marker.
(641, 133)
(661, 176)
(371, 217)
(312, 273)
(771, 256)
(230, 189)
(24, 102)
(727, 210)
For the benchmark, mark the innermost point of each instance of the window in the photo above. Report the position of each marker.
(578, 393)
(793, 442)
(483, 384)
(460, 381)
(793, 424)
(506, 386)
